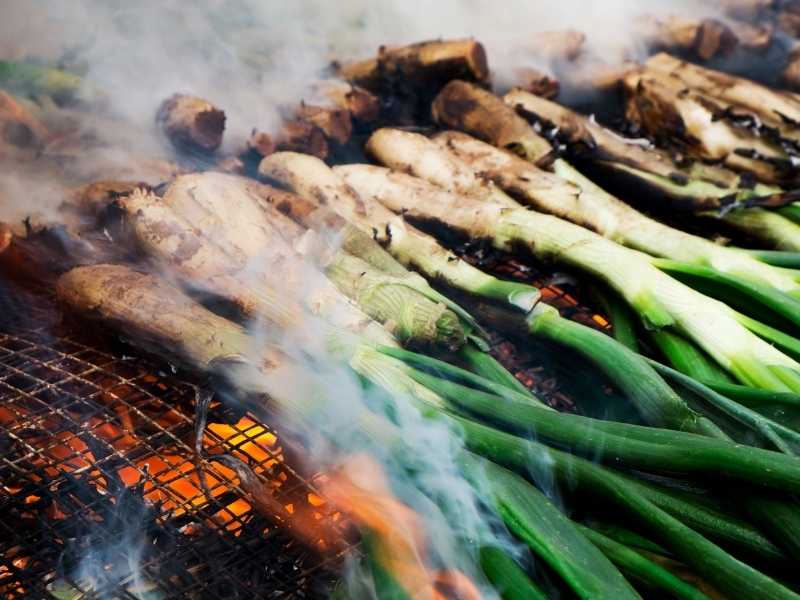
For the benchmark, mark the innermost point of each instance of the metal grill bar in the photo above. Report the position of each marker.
(81, 428)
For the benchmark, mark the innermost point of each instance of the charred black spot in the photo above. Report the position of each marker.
(319, 195)
(678, 178)
(18, 134)
(746, 152)
(747, 180)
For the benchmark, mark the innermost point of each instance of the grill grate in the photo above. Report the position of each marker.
(92, 441)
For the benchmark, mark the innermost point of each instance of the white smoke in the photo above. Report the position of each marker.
(423, 473)
(251, 57)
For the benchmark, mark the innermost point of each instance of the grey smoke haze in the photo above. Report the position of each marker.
(250, 57)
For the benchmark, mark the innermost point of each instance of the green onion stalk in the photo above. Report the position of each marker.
(507, 577)
(532, 518)
(730, 575)
(628, 538)
(633, 447)
(654, 399)
(782, 438)
(641, 569)
(766, 304)
(382, 288)
(621, 318)
(774, 106)
(658, 299)
(705, 189)
(791, 212)
(687, 358)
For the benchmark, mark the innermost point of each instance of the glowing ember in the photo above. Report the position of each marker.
(169, 479)
(248, 437)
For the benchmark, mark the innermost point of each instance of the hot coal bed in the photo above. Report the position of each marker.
(96, 437)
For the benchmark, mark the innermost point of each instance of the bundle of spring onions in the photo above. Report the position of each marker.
(660, 300)
(570, 195)
(221, 262)
(655, 400)
(307, 175)
(332, 273)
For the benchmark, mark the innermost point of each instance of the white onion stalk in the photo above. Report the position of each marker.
(310, 177)
(659, 299)
(567, 194)
(654, 399)
(767, 225)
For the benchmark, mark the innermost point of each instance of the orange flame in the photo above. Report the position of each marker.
(360, 489)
